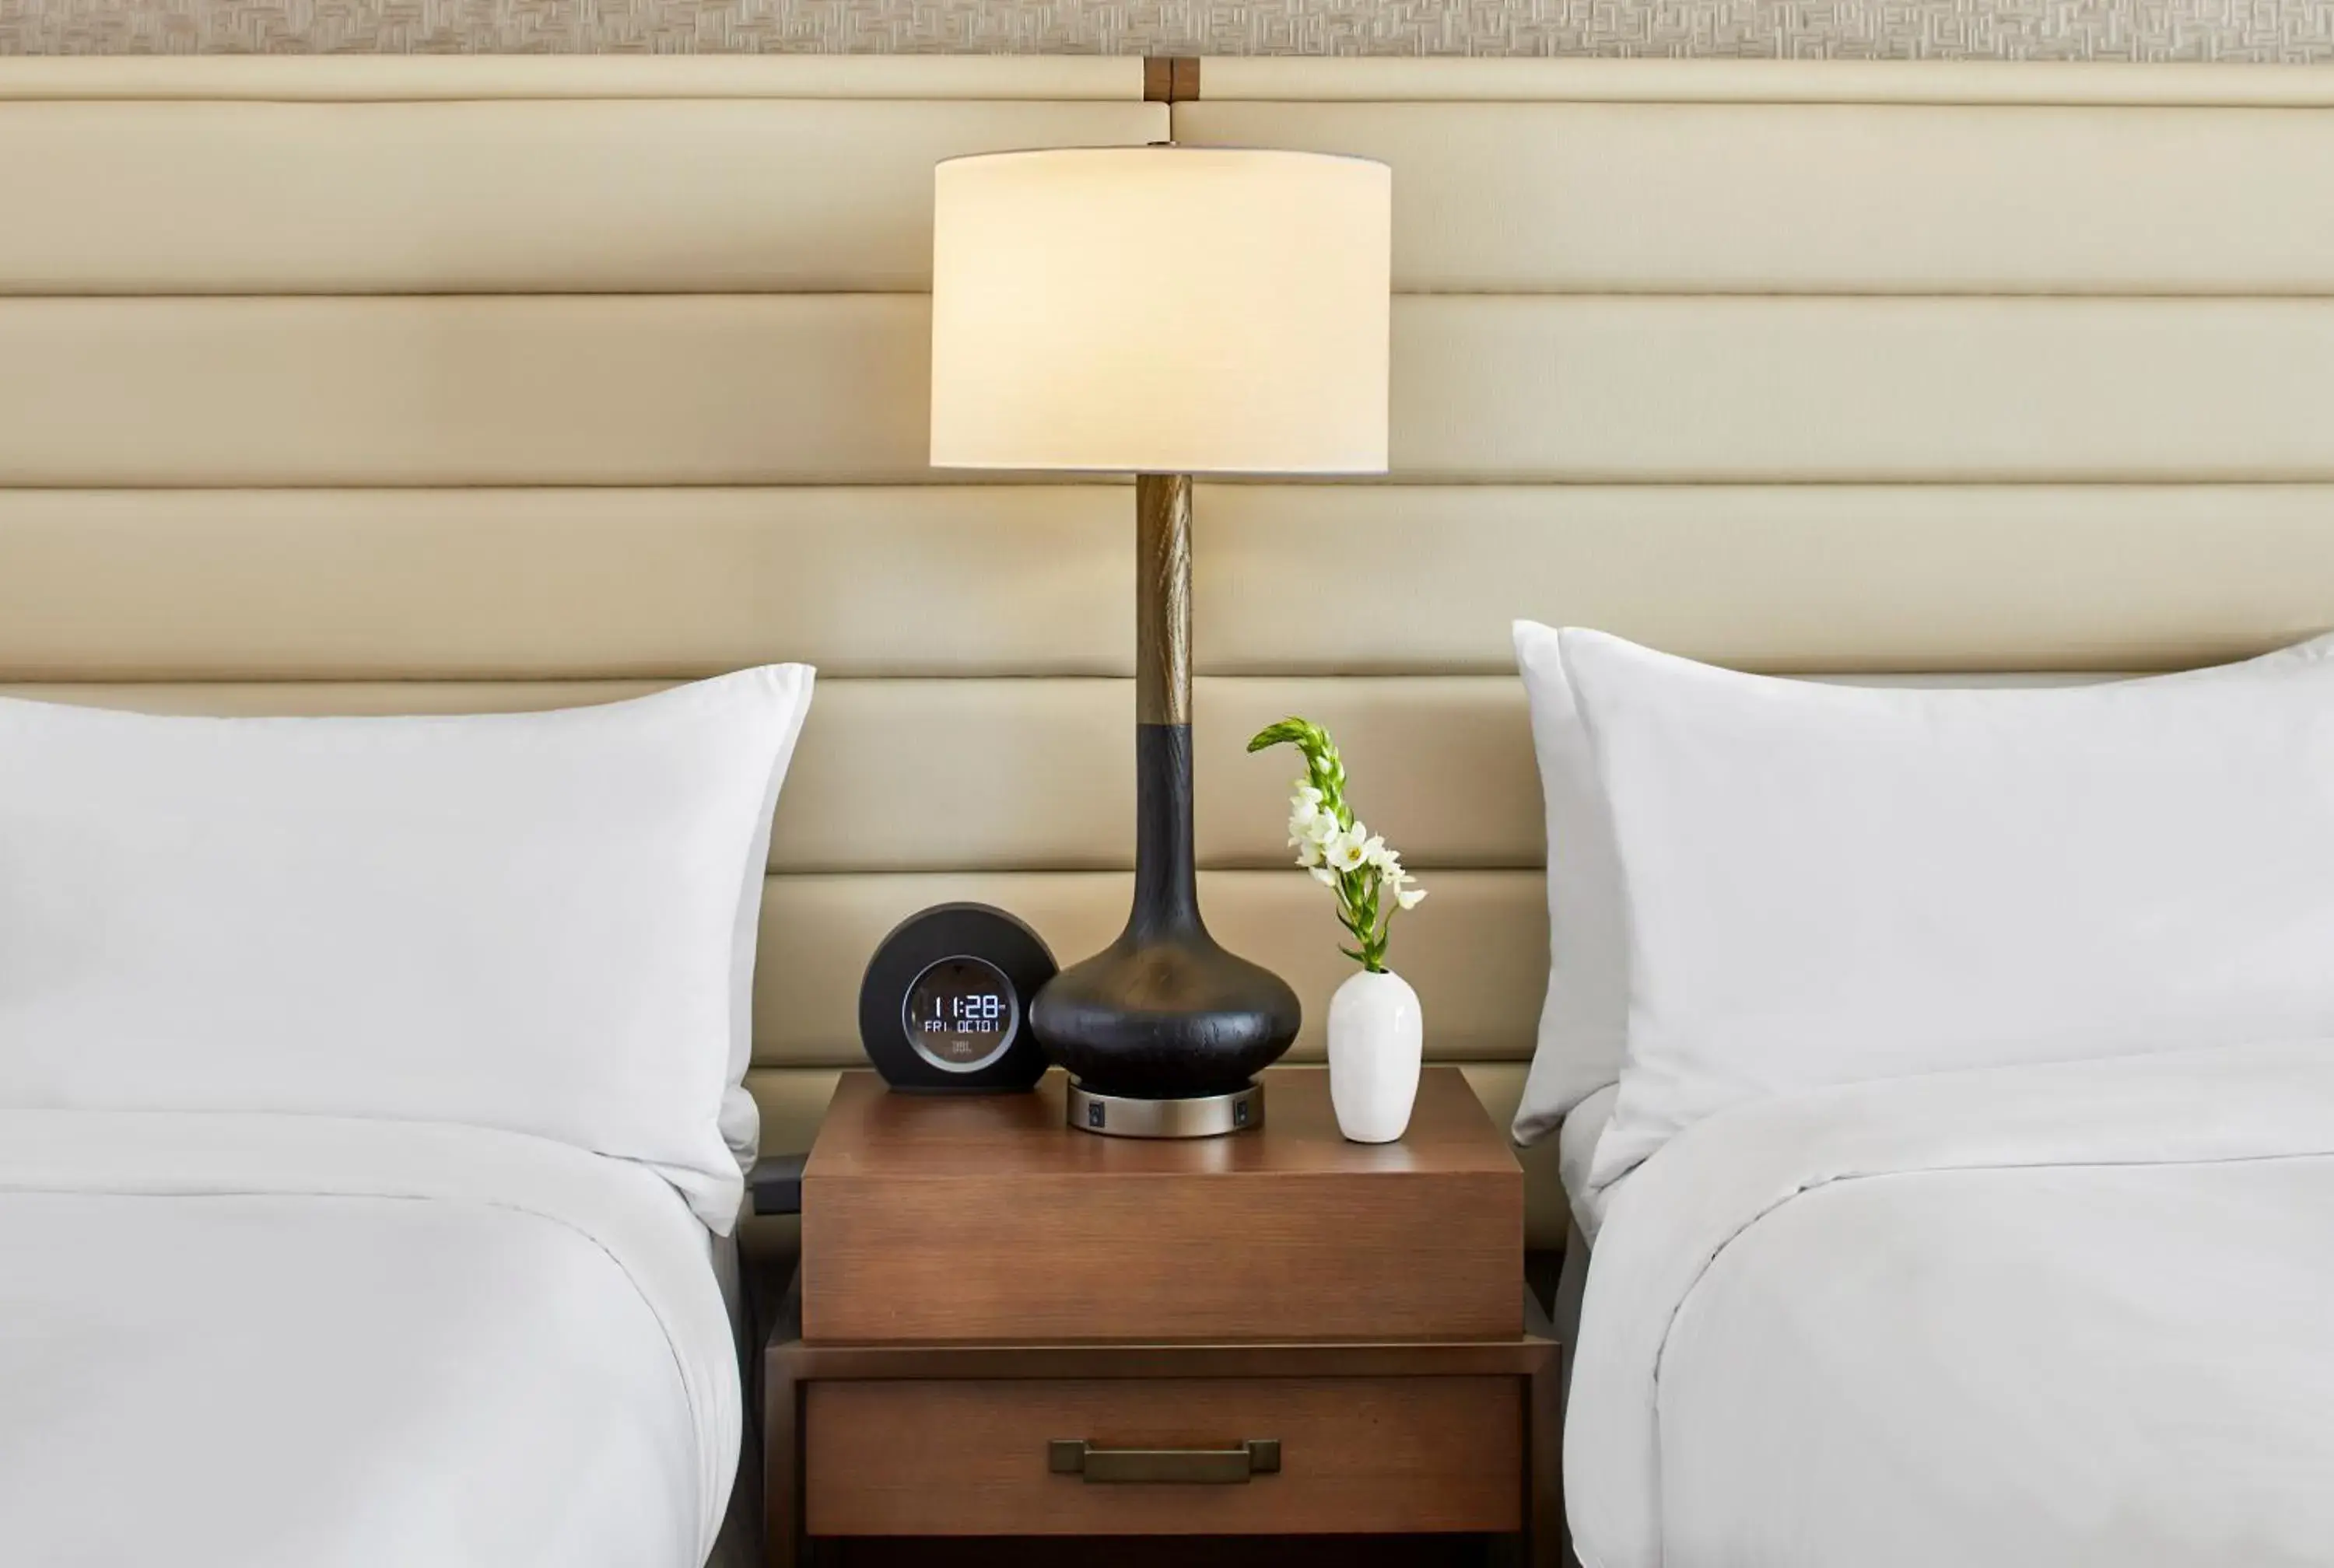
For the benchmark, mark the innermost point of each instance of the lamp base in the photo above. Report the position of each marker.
(1199, 1116)
(1163, 1014)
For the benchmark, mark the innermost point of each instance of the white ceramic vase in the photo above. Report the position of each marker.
(1376, 1037)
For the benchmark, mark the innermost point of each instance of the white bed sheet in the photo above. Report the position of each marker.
(2055, 1315)
(246, 1342)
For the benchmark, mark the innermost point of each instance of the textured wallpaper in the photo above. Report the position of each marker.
(2228, 30)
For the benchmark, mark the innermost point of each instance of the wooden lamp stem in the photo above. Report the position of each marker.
(1163, 598)
(1166, 886)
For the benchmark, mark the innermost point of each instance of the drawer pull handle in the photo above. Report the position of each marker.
(1200, 1466)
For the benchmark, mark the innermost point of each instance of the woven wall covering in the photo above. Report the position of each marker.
(2226, 30)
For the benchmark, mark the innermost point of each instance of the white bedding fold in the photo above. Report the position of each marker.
(252, 1339)
(1816, 1327)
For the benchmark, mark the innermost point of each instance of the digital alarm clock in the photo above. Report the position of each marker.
(946, 1000)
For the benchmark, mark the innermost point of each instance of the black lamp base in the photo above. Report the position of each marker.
(1171, 1016)
(1163, 1012)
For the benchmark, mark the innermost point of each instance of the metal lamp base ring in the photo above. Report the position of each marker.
(1205, 1116)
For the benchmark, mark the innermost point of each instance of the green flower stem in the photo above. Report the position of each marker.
(1358, 910)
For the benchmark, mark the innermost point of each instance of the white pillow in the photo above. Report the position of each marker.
(1826, 884)
(1584, 1021)
(543, 922)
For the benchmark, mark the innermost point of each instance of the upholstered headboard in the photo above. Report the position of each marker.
(369, 386)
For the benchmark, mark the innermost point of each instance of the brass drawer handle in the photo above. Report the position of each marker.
(1200, 1466)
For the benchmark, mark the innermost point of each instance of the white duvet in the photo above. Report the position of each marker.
(2053, 1315)
(291, 1342)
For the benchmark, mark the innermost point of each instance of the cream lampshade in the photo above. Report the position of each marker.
(1162, 310)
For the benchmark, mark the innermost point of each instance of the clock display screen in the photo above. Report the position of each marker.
(962, 1014)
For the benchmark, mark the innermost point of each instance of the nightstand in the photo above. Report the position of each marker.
(1004, 1327)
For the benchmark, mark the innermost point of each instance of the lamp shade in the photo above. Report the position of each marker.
(1163, 310)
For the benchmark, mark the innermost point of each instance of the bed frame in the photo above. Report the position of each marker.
(359, 385)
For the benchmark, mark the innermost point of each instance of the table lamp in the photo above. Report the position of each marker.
(1163, 312)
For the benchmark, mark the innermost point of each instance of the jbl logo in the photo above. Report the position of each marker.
(1095, 1113)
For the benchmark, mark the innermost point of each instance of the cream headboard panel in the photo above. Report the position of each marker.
(371, 385)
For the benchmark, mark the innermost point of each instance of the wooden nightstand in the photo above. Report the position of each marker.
(1006, 1327)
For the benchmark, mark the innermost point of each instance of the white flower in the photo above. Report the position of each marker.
(1317, 829)
(1360, 869)
(1309, 819)
(1395, 883)
(1348, 850)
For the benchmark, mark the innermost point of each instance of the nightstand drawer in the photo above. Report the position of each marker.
(946, 1219)
(1162, 1456)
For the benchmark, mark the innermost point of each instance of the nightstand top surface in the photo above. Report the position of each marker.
(869, 1131)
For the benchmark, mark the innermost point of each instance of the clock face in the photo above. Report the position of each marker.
(962, 1014)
